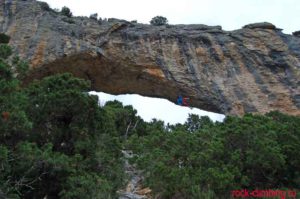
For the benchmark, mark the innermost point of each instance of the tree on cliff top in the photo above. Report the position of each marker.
(159, 21)
(66, 11)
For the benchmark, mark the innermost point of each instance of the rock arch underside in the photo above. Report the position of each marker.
(253, 69)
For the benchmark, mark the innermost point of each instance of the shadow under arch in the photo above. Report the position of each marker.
(115, 77)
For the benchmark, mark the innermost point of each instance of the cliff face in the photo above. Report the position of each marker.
(254, 69)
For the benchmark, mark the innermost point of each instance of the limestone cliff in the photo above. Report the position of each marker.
(254, 69)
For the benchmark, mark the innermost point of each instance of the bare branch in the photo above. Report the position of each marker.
(127, 130)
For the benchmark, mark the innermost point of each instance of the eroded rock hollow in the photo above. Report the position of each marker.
(254, 69)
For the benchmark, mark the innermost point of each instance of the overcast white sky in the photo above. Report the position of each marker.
(162, 109)
(230, 14)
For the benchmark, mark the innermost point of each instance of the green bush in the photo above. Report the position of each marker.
(16, 127)
(66, 11)
(21, 67)
(159, 21)
(94, 16)
(4, 39)
(45, 6)
(5, 51)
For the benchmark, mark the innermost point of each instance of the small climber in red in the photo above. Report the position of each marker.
(185, 101)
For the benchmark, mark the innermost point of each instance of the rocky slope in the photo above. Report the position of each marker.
(254, 69)
(134, 188)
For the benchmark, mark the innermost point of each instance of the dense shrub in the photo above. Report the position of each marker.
(45, 6)
(94, 16)
(159, 21)
(4, 39)
(5, 51)
(66, 11)
(202, 158)
(21, 67)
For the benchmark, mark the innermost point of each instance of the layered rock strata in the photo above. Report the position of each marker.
(253, 69)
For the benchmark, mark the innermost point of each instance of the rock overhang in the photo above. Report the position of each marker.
(254, 69)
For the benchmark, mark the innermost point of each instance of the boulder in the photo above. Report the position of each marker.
(262, 25)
